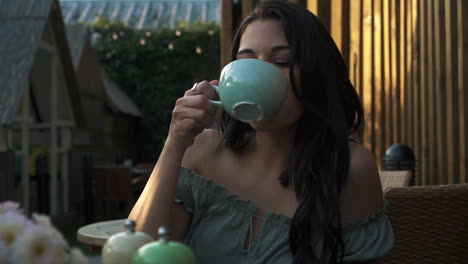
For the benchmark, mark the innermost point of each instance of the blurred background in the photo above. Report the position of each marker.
(87, 88)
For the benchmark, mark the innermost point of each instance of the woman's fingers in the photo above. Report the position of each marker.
(192, 113)
(197, 101)
(202, 116)
(203, 88)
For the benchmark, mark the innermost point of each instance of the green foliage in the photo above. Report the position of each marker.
(157, 67)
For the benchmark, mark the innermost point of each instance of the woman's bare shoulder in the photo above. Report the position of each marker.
(362, 194)
(203, 150)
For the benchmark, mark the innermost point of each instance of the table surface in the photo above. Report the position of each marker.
(97, 234)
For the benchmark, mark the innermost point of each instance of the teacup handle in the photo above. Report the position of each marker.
(216, 103)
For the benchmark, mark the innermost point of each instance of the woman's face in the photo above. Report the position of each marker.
(265, 40)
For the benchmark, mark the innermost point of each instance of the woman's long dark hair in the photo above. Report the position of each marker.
(319, 161)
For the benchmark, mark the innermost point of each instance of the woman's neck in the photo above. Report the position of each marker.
(272, 150)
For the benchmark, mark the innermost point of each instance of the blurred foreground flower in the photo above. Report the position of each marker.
(77, 257)
(12, 226)
(38, 245)
(36, 241)
(9, 206)
(3, 252)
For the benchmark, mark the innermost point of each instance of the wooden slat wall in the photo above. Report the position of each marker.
(462, 22)
(226, 31)
(408, 61)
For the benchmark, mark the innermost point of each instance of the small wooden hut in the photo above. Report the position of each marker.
(111, 116)
(39, 102)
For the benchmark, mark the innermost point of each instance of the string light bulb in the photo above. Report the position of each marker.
(142, 42)
(170, 46)
(198, 50)
(178, 33)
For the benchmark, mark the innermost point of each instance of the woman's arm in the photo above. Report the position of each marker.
(155, 207)
(362, 194)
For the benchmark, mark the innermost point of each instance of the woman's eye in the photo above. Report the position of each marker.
(282, 63)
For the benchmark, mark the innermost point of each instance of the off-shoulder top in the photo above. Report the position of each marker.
(221, 221)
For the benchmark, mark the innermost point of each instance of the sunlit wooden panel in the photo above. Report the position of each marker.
(379, 83)
(226, 31)
(408, 75)
(336, 23)
(452, 101)
(247, 7)
(462, 15)
(440, 88)
(432, 162)
(395, 69)
(401, 60)
(355, 65)
(421, 153)
(312, 6)
(366, 95)
(386, 102)
(415, 69)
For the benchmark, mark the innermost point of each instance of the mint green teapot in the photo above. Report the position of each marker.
(164, 251)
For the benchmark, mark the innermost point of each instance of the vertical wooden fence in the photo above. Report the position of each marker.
(409, 63)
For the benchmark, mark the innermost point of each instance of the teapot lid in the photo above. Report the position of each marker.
(130, 225)
(164, 234)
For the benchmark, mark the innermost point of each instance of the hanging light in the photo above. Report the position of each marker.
(198, 50)
(148, 33)
(115, 36)
(178, 33)
(210, 32)
(170, 46)
(142, 42)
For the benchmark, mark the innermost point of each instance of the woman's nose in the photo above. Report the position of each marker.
(263, 58)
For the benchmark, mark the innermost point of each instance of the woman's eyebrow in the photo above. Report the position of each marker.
(250, 51)
(274, 49)
(281, 47)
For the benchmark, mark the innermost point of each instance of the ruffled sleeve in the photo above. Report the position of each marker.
(192, 190)
(369, 238)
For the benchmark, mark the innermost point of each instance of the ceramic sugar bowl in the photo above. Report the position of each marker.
(164, 251)
(120, 248)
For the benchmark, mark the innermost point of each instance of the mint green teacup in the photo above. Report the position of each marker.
(251, 90)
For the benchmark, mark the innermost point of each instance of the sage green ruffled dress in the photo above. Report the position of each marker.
(221, 221)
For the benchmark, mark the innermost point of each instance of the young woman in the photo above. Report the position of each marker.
(292, 189)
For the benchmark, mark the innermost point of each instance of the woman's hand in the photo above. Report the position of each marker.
(192, 114)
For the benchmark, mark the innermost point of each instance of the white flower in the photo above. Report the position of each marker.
(3, 252)
(9, 206)
(77, 257)
(44, 222)
(38, 245)
(12, 226)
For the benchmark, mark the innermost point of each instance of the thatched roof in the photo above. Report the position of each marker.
(22, 23)
(148, 14)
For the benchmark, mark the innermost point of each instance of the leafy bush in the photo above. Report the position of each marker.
(156, 68)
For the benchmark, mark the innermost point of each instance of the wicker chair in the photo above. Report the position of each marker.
(391, 179)
(430, 224)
